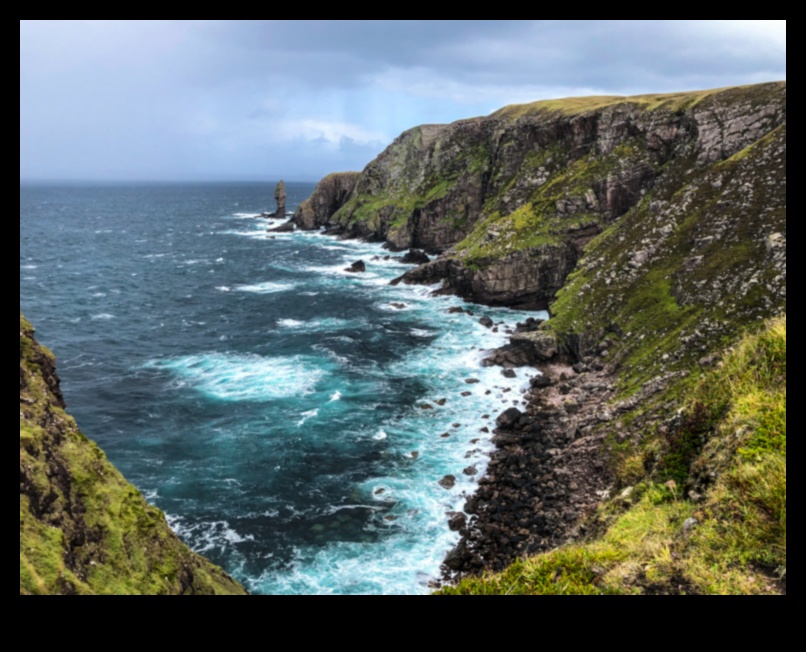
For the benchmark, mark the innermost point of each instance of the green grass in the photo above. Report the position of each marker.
(652, 102)
(83, 528)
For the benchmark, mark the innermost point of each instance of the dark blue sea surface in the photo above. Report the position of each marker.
(268, 401)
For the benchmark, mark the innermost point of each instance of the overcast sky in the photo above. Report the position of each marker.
(187, 100)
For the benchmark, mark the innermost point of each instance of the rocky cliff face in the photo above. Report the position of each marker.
(527, 187)
(330, 195)
(83, 528)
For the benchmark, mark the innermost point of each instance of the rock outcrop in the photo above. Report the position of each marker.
(83, 528)
(279, 197)
(330, 195)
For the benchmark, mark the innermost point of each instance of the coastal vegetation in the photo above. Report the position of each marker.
(701, 506)
(83, 528)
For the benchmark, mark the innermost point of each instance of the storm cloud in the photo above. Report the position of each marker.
(297, 99)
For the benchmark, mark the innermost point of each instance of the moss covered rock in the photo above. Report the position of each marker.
(83, 528)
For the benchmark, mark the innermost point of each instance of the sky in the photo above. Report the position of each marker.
(263, 100)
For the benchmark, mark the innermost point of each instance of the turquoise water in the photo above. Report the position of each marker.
(270, 402)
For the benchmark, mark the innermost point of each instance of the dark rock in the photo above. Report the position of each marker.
(540, 381)
(447, 482)
(441, 401)
(466, 394)
(509, 356)
(330, 195)
(285, 227)
(456, 521)
(415, 257)
(531, 324)
(457, 558)
(486, 322)
(508, 373)
(470, 470)
(356, 267)
(509, 418)
(279, 197)
(471, 381)
(396, 305)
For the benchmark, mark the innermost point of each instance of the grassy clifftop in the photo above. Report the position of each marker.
(719, 527)
(83, 528)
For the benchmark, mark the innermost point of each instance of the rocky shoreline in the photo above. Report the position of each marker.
(547, 472)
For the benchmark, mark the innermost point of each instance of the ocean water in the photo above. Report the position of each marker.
(284, 413)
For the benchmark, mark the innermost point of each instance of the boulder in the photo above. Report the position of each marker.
(509, 417)
(447, 482)
(415, 257)
(283, 228)
(357, 267)
(540, 381)
(456, 521)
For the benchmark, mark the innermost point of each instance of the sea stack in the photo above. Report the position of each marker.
(279, 197)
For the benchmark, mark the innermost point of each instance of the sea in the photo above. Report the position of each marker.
(293, 420)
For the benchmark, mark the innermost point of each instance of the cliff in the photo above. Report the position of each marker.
(514, 198)
(83, 528)
(653, 228)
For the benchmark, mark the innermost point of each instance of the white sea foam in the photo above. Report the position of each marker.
(223, 288)
(244, 377)
(307, 415)
(336, 396)
(28, 266)
(103, 315)
(289, 323)
(207, 535)
(267, 287)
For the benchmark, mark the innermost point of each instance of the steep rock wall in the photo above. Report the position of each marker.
(83, 528)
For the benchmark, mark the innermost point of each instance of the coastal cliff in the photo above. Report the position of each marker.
(653, 228)
(528, 187)
(83, 528)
